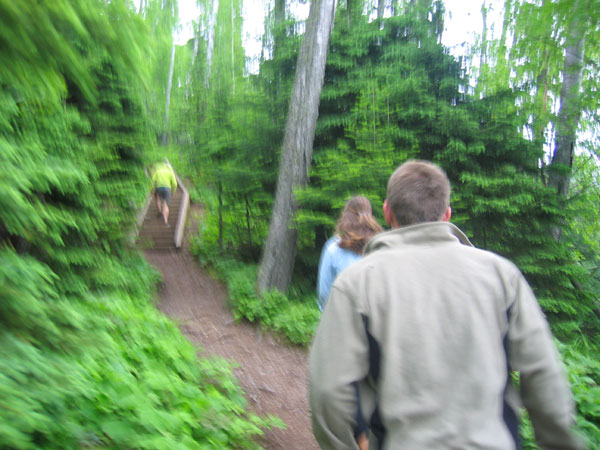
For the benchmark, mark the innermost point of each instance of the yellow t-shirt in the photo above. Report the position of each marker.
(163, 176)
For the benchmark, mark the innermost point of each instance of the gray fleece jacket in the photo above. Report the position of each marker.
(430, 328)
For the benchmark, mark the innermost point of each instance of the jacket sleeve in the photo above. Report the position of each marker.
(325, 276)
(338, 357)
(544, 388)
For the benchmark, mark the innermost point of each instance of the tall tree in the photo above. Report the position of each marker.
(165, 135)
(161, 18)
(211, 42)
(570, 104)
(278, 27)
(280, 249)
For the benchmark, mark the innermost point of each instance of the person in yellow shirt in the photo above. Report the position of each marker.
(164, 185)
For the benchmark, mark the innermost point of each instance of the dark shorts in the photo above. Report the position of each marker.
(164, 193)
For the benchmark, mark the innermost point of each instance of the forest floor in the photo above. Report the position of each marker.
(272, 373)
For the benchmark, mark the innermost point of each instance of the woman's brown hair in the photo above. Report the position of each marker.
(357, 224)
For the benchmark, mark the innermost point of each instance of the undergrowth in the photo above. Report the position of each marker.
(114, 373)
(294, 318)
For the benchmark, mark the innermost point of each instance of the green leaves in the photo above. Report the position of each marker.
(134, 382)
(292, 317)
(86, 361)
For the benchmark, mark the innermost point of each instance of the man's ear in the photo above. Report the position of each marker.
(388, 215)
(447, 215)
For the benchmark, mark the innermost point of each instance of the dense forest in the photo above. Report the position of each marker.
(93, 92)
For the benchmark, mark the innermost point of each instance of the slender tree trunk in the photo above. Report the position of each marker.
(220, 197)
(540, 119)
(195, 51)
(188, 78)
(165, 135)
(279, 33)
(248, 228)
(483, 79)
(277, 261)
(211, 42)
(502, 74)
(232, 49)
(374, 120)
(570, 107)
(540, 101)
(349, 12)
(483, 51)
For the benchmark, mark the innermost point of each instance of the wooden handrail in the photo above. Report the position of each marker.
(181, 217)
(140, 216)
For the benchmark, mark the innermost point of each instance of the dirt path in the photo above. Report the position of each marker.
(273, 375)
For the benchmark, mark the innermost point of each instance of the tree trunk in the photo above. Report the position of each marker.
(279, 32)
(211, 42)
(502, 70)
(349, 11)
(188, 78)
(220, 196)
(233, 49)
(484, 43)
(277, 261)
(483, 80)
(540, 120)
(248, 228)
(196, 45)
(570, 107)
(165, 135)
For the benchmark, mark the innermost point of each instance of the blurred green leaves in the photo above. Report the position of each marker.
(86, 361)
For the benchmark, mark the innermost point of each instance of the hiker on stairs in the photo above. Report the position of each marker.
(164, 185)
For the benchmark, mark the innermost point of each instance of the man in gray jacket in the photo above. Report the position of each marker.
(429, 329)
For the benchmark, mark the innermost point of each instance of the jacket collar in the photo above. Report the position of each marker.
(427, 233)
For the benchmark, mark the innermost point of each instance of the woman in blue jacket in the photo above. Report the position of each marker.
(354, 229)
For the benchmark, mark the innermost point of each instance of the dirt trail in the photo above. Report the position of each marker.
(273, 375)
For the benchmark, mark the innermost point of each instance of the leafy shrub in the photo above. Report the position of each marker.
(298, 322)
(293, 318)
(86, 360)
(583, 373)
(126, 378)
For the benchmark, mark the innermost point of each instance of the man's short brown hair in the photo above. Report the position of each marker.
(418, 191)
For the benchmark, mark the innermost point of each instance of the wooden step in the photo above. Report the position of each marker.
(153, 233)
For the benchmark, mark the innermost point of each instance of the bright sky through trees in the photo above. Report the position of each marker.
(463, 21)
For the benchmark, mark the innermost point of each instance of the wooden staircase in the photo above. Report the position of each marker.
(153, 233)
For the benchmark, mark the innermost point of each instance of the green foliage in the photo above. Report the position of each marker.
(583, 229)
(393, 92)
(501, 203)
(159, 21)
(583, 371)
(125, 378)
(390, 91)
(85, 358)
(291, 317)
(228, 124)
(584, 375)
